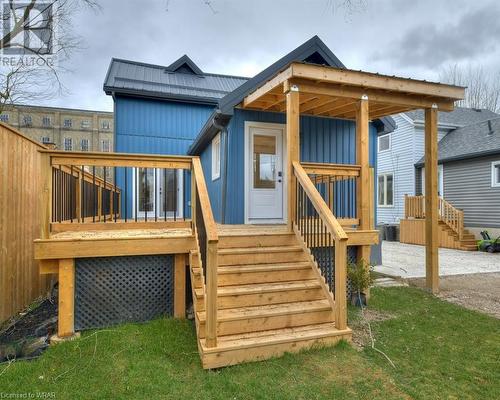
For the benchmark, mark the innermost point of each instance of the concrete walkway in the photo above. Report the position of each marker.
(408, 261)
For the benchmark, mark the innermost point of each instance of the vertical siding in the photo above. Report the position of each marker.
(20, 222)
(321, 140)
(467, 185)
(156, 127)
(214, 187)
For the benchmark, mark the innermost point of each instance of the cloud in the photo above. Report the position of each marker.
(474, 34)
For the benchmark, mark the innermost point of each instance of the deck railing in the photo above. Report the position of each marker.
(337, 184)
(447, 213)
(90, 188)
(323, 234)
(208, 240)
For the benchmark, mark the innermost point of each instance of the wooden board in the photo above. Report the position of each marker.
(21, 221)
(412, 231)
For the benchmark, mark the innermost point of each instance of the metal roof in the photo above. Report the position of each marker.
(182, 80)
(460, 116)
(475, 140)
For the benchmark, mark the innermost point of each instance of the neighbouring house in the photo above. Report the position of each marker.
(66, 129)
(469, 161)
(253, 194)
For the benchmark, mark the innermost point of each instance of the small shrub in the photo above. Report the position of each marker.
(360, 275)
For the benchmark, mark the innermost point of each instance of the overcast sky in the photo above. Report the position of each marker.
(240, 37)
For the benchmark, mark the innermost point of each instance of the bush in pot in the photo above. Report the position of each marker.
(361, 279)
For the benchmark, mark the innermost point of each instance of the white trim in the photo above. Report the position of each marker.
(493, 167)
(390, 143)
(385, 175)
(216, 163)
(246, 173)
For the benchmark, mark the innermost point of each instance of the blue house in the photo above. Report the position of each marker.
(179, 109)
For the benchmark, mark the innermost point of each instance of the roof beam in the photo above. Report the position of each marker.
(267, 87)
(378, 96)
(376, 81)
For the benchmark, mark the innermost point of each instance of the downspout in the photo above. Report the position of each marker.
(223, 131)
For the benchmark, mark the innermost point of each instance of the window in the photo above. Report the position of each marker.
(85, 145)
(46, 121)
(105, 125)
(68, 123)
(27, 120)
(68, 144)
(85, 124)
(384, 143)
(4, 117)
(45, 139)
(495, 174)
(216, 157)
(386, 190)
(105, 145)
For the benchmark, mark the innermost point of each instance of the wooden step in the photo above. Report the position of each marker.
(260, 255)
(266, 293)
(266, 240)
(275, 316)
(264, 273)
(256, 346)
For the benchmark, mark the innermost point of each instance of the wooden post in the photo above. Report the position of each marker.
(46, 198)
(180, 286)
(78, 195)
(340, 283)
(431, 200)
(363, 160)
(211, 290)
(99, 201)
(292, 146)
(66, 318)
(371, 190)
(193, 197)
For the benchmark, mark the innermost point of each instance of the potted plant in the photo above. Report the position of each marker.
(361, 279)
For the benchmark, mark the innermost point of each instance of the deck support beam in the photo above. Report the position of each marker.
(292, 147)
(180, 286)
(431, 200)
(363, 160)
(66, 318)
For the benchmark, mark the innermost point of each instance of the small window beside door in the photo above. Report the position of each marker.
(386, 190)
(384, 143)
(495, 174)
(264, 162)
(216, 157)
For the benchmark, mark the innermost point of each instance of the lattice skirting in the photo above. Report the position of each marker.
(325, 257)
(113, 290)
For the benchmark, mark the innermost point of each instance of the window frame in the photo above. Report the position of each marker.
(85, 124)
(4, 118)
(70, 141)
(390, 143)
(88, 144)
(27, 120)
(105, 125)
(385, 204)
(46, 121)
(108, 145)
(67, 123)
(45, 141)
(216, 144)
(494, 165)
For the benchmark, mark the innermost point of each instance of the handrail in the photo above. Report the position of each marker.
(347, 170)
(319, 237)
(208, 239)
(319, 204)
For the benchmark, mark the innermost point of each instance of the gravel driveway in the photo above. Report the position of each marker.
(408, 261)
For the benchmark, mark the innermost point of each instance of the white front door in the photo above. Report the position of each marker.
(264, 180)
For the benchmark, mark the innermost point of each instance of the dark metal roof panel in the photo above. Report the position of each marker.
(460, 116)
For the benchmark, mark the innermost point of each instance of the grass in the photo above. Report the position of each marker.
(440, 351)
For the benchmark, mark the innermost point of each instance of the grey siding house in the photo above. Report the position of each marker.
(400, 152)
(470, 161)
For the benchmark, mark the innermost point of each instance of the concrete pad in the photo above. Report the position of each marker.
(408, 261)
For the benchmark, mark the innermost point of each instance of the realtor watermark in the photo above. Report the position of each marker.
(29, 33)
(28, 395)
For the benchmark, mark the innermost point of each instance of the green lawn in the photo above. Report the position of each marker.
(440, 351)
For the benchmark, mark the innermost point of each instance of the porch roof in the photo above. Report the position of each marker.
(334, 92)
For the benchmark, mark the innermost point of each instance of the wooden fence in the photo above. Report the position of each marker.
(21, 221)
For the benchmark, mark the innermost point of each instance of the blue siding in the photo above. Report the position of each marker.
(156, 127)
(214, 187)
(321, 140)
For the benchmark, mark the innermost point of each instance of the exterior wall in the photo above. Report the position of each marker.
(321, 140)
(157, 127)
(467, 185)
(407, 148)
(90, 125)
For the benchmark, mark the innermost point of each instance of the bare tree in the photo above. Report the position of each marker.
(483, 87)
(36, 40)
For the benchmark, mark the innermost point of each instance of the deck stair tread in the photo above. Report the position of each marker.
(230, 269)
(272, 337)
(270, 310)
(258, 288)
(260, 249)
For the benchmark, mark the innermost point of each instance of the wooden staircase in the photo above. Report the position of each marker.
(452, 241)
(271, 299)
